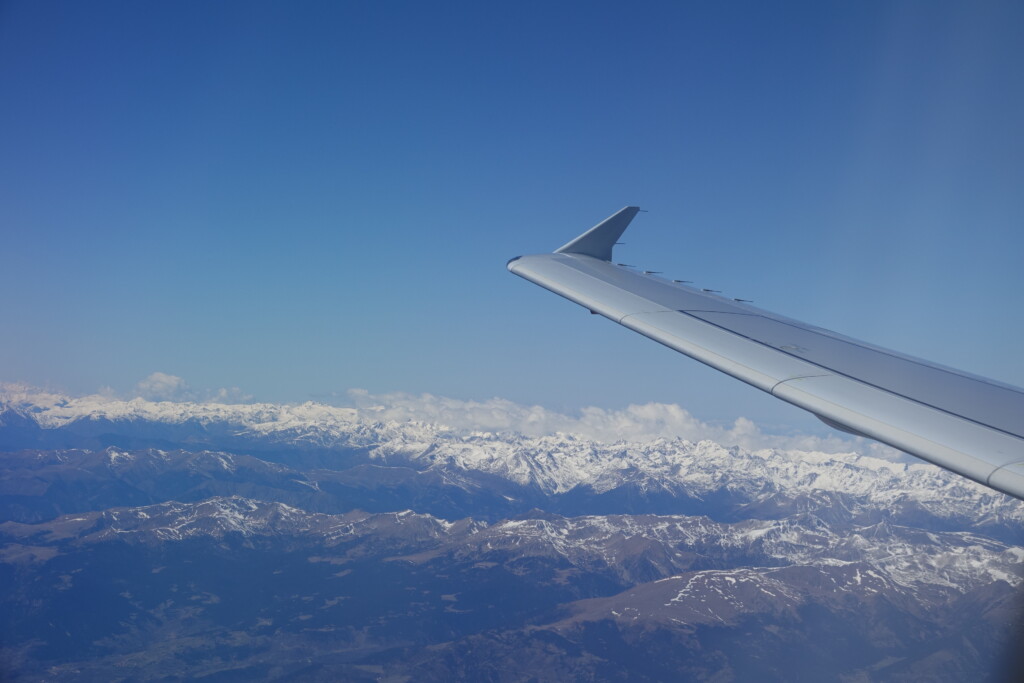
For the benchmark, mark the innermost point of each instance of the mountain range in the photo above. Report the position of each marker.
(146, 540)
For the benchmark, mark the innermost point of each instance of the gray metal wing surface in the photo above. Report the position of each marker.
(965, 423)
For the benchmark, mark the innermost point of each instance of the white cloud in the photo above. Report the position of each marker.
(633, 423)
(160, 386)
(228, 395)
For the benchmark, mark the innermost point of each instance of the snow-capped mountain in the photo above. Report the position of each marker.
(190, 567)
(553, 465)
(562, 472)
(322, 542)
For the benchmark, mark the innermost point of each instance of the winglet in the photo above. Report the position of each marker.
(599, 240)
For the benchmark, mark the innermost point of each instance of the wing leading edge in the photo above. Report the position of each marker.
(968, 424)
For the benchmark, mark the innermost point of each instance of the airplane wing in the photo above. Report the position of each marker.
(965, 423)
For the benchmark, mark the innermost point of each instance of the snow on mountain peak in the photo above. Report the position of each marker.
(554, 463)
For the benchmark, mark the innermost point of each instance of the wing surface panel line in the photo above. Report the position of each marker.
(1018, 463)
(857, 343)
(834, 371)
(791, 379)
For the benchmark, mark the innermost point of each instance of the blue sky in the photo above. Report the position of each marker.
(301, 198)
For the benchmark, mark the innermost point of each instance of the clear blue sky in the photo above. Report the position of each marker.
(301, 198)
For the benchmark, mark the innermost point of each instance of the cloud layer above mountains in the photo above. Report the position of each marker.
(633, 423)
(636, 423)
(159, 386)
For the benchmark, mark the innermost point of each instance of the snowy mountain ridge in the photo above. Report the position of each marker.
(661, 546)
(553, 464)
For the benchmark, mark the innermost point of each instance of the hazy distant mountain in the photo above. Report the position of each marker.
(144, 541)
